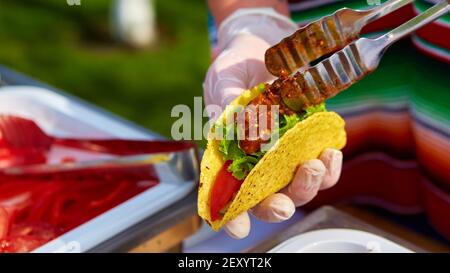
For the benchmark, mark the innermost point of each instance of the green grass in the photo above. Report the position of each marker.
(70, 48)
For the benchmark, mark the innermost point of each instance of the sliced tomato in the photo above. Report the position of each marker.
(224, 188)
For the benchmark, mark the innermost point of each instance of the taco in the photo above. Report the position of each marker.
(236, 174)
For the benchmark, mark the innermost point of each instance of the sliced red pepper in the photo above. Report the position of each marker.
(43, 202)
(62, 200)
(110, 197)
(38, 229)
(20, 244)
(4, 223)
(224, 188)
(26, 237)
(13, 189)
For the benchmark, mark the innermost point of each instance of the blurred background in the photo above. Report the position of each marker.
(101, 51)
(72, 47)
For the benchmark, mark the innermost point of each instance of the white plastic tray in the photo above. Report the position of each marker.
(338, 241)
(59, 116)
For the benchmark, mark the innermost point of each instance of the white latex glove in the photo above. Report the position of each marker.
(243, 39)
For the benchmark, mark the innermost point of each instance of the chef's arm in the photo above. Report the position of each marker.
(221, 9)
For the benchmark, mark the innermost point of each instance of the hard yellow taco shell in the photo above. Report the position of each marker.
(305, 141)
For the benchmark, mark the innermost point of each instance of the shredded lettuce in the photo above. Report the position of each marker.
(287, 122)
(241, 166)
(314, 109)
(229, 145)
(242, 163)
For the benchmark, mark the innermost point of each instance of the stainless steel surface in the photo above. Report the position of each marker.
(323, 37)
(348, 65)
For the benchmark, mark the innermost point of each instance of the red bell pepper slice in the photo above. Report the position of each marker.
(4, 223)
(43, 202)
(224, 188)
(121, 188)
(20, 244)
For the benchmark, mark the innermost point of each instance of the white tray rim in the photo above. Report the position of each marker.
(300, 243)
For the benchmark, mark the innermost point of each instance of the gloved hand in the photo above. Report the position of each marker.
(243, 39)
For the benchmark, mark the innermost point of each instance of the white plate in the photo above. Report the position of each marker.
(338, 241)
(60, 116)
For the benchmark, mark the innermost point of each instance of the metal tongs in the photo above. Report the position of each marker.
(305, 85)
(179, 157)
(182, 164)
